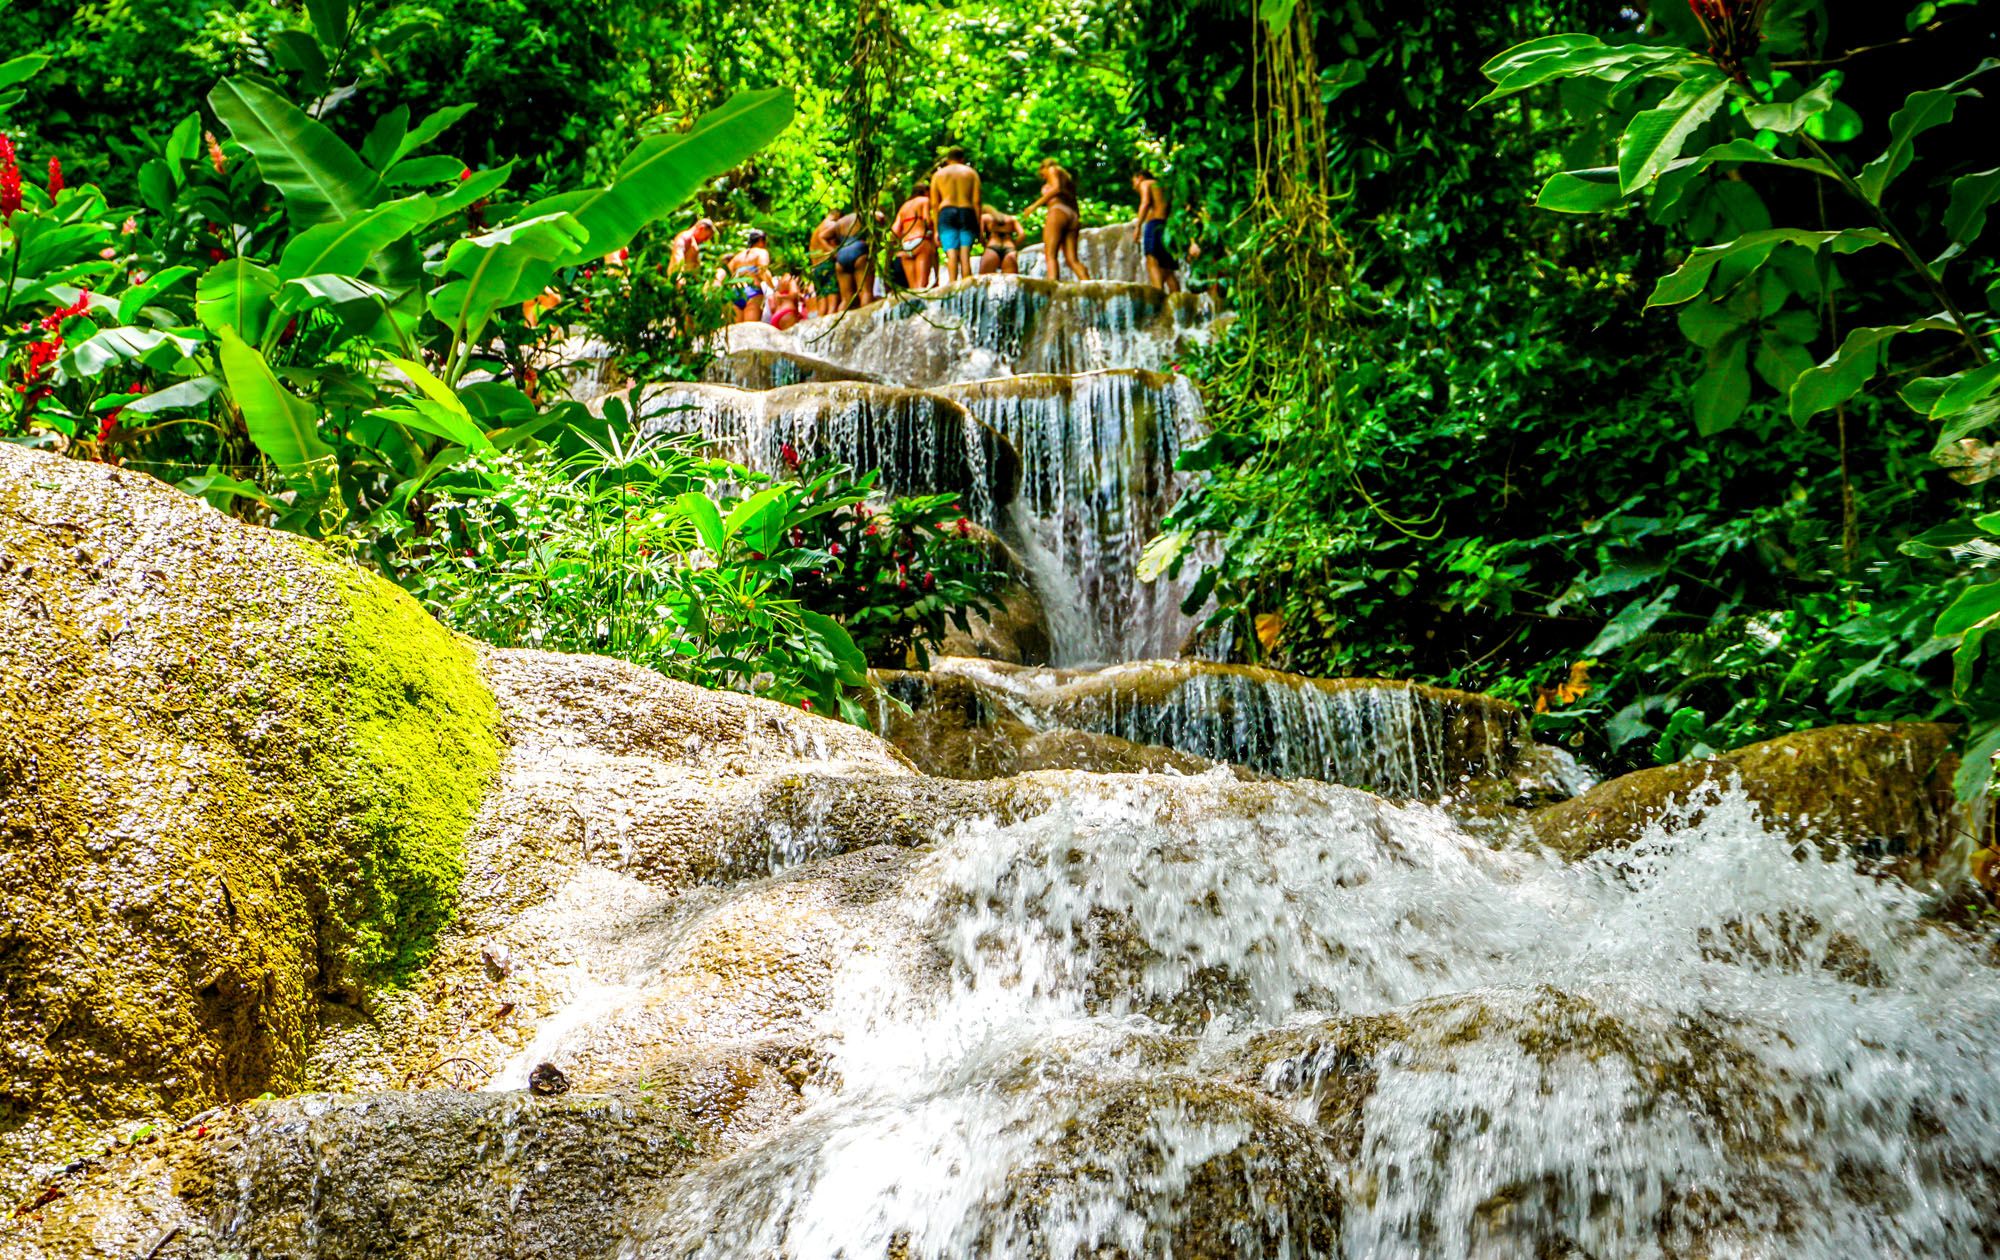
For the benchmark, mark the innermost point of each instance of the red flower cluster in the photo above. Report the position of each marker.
(789, 455)
(10, 179)
(215, 153)
(1734, 29)
(43, 352)
(55, 176)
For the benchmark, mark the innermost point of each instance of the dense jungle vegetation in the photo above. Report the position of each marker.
(1634, 362)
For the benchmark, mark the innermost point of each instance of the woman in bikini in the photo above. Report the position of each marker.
(1063, 225)
(1002, 233)
(788, 303)
(916, 238)
(750, 274)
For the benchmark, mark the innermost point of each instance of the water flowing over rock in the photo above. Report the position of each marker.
(1097, 454)
(1398, 739)
(1110, 971)
(995, 326)
(922, 443)
(1881, 791)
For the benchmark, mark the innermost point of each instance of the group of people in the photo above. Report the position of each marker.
(940, 222)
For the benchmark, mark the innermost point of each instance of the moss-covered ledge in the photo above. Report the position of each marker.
(236, 774)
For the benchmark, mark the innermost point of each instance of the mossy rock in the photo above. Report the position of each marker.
(1879, 791)
(236, 773)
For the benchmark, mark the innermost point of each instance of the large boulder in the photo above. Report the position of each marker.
(1880, 790)
(236, 772)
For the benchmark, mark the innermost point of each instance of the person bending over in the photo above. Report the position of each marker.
(954, 199)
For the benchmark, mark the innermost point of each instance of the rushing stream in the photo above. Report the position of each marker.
(1197, 1016)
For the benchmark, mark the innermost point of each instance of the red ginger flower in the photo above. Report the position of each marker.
(10, 180)
(55, 176)
(1734, 29)
(215, 153)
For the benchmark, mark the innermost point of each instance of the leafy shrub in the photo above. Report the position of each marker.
(703, 570)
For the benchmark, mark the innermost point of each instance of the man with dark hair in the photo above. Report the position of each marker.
(1150, 230)
(954, 198)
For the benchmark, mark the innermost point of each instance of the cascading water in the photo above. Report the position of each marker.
(1097, 455)
(1204, 1018)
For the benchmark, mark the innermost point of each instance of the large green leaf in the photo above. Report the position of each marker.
(1558, 56)
(1920, 112)
(662, 172)
(344, 248)
(1971, 196)
(139, 296)
(1750, 250)
(194, 392)
(504, 266)
(237, 293)
(283, 426)
(839, 645)
(1741, 150)
(1657, 136)
(329, 20)
(1723, 388)
(320, 177)
(1581, 192)
(432, 126)
(148, 347)
(1842, 375)
(1794, 114)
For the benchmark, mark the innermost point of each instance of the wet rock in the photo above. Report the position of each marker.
(1880, 791)
(546, 1080)
(1108, 253)
(990, 326)
(922, 443)
(439, 1173)
(236, 773)
(971, 719)
(767, 368)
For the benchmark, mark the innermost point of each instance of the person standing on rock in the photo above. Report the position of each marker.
(750, 277)
(1002, 233)
(916, 239)
(823, 271)
(955, 201)
(1149, 229)
(853, 261)
(685, 252)
(1062, 227)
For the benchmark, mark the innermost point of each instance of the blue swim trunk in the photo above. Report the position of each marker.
(958, 227)
(1153, 243)
(851, 254)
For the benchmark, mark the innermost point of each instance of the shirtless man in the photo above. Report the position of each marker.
(685, 252)
(1062, 227)
(916, 238)
(1002, 233)
(955, 205)
(750, 278)
(823, 273)
(1150, 229)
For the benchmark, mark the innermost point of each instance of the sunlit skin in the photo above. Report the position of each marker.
(750, 272)
(1002, 234)
(916, 238)
(685, 252)
(1154, 208)
(1062, 226)
(819, 253)
(955, 202)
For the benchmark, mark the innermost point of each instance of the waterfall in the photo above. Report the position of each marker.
(1212, 1019)
(1097, 454)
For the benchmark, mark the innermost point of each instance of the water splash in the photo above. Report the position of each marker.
(1262, 1019)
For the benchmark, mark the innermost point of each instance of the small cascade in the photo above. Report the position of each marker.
(1397, 739)
(922, 443)
(993, 326)
(1097, 455)
(1237, 1020)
